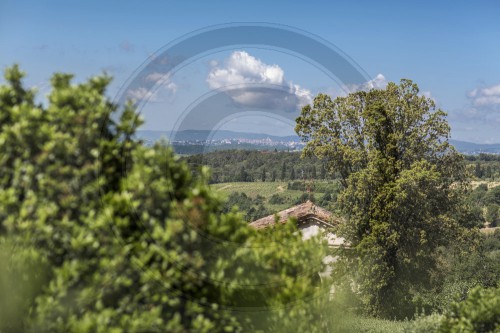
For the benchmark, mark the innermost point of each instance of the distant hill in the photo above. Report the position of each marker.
(475, 148)
(199, 135)
(196, 135)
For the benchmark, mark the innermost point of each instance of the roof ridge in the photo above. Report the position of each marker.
(305, 210)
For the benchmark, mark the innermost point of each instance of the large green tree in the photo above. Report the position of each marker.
(403, 187)
(128, 239)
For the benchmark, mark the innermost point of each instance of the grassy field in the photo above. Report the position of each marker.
(252, 189)
(266, 190)
(490, 184)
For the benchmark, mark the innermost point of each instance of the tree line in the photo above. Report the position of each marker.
(252, 166)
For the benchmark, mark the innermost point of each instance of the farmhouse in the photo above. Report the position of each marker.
(311, 220)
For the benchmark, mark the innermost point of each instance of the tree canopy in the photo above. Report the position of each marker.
(403, 187)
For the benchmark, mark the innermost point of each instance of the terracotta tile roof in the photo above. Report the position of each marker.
(302, 212)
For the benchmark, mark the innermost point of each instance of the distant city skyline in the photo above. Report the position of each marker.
(450, 50)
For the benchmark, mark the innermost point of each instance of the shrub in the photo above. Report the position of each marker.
(479, 313)
(276, 199)
(132, 241)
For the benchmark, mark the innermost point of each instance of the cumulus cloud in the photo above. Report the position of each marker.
(162, 79)
(242, 70)
(486, 96)
(142, 94)
(479, 119)
(379, 82)
(157, 88)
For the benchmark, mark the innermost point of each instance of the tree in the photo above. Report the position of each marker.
(488, 173)
(273, 176)
(493, 196)
(244, 176)
(493, 214)
(126, 232)
(292, 173)
(403, 187)
(283, 171)
(263, 175)
(478, 171)
(323, 171)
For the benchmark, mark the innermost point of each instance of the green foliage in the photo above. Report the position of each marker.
(343, 317)
(477, 195)
(23, 272)
(404, 188)
(130, 239)
(277, 196)
(462, 269)
(276, 199)
(304, 197)
(487, 203)
(320, 187)
(479, 313)
(493, 196)
(253, 208)
(484, 166)
(493, 214)
(226, 166)
(425, 324)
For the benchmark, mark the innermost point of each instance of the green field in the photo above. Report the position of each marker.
(267, 190)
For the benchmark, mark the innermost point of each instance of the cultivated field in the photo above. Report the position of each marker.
(266, 190)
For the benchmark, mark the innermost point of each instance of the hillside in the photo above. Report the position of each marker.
(198, 141)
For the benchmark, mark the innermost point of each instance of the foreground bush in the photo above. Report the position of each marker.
(130, 240)
(480, 313)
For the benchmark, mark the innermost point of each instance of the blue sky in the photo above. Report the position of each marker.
(451, 49)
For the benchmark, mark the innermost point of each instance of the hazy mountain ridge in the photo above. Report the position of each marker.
(203, 135)
(196, 135)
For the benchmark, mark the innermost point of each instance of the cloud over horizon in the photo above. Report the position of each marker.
(481, 111)
(242, 70)
(484, 104)
(157, 87)
(486, 96)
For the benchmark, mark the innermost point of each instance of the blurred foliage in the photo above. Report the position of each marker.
(480, 313)
(253, 208)
(130, 240)
(23, 273)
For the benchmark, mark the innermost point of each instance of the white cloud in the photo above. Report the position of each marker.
(157, 87)
(243, 70)
(142, 94)
(482, 113)
(487, 96)
(379, 82)
(163, 80)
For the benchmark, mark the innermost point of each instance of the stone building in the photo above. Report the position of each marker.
(311, 220)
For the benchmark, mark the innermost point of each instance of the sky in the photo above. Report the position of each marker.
(451, 49)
